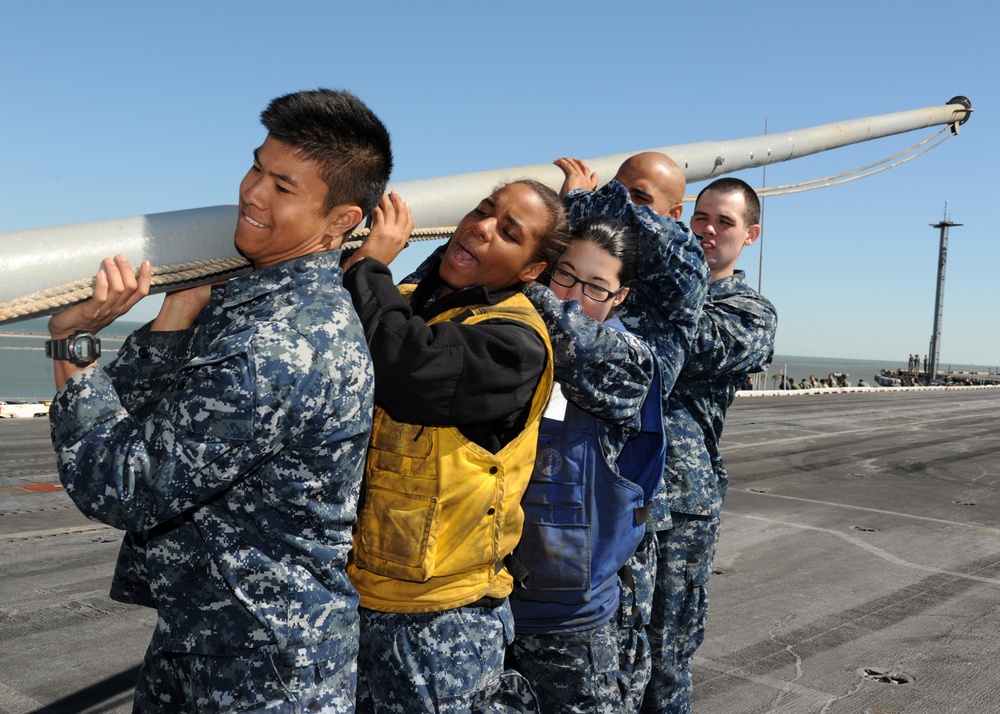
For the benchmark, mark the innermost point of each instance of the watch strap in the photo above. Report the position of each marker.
(57, 349)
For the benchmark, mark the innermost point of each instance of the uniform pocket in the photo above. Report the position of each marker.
(219, 395)
(398, 534)
(692, 625)
(559, 556)
(400, 448)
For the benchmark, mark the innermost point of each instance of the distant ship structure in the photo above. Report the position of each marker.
(908, 378)
(923, 373)
(913, 376)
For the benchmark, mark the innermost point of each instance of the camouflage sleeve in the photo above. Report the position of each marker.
(604, 371)
(148, 362)
(147, 365)
(672, 276)
(735, 336)
(228, 410)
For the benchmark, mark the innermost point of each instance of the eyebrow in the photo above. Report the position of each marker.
(516, 223)
(592, 279)
(511, 218)
(281, 177)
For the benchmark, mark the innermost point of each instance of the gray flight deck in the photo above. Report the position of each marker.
(858, 570)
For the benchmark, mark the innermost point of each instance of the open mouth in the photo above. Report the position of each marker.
(462, 257)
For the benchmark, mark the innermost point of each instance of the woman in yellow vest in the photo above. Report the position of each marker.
(463, 370)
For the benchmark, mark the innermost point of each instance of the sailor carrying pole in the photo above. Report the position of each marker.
(48, 269)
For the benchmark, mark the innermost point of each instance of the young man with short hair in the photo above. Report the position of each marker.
(228, 438)
(734, 338)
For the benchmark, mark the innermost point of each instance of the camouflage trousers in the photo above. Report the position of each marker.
(253, 682)
(450, 661)
(676, 563)
(573, 672)
(637, 581)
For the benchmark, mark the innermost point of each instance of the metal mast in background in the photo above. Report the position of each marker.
(760, 269)
(932, 358)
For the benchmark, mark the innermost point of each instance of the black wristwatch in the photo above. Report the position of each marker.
(81, 349)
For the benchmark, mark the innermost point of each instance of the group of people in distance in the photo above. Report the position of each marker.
(834, 380)
(493, 487)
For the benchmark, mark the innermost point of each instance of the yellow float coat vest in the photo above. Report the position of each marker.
(439, 513)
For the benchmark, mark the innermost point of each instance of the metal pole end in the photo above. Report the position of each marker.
(965, 102)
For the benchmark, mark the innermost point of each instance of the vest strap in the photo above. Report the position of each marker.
(641, 515)
(490, 603)
(515, 567)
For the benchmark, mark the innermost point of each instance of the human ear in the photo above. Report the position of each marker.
(619, 298)
(343, 219)
(531, 271)
(753, 233)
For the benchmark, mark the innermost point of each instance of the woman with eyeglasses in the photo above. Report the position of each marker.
(600, 458)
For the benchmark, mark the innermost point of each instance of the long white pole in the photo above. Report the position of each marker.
(42, 258)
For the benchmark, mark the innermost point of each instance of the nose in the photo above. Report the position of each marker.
(485, 228)
(250, 189)
(575, 292)
(708, 229)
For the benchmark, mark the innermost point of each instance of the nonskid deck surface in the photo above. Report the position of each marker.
(858, 568)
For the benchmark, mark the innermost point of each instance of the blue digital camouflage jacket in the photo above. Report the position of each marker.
(604, 371)
(735, 338)
(671, 283)
(232, 455)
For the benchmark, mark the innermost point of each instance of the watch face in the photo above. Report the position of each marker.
(84, 349)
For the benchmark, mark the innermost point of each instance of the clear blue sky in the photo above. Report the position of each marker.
(122, 108)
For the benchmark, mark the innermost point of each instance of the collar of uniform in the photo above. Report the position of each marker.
(294, 270)
(728, 284)
(426, 303)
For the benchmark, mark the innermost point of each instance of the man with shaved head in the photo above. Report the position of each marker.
(655, 180)
(650, 186)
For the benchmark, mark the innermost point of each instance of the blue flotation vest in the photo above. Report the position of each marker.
(584, 517)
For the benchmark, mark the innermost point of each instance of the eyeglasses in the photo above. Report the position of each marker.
(594, 292)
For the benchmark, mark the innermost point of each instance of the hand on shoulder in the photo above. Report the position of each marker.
(392, 224)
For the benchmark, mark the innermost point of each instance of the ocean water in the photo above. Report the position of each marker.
(25, 373)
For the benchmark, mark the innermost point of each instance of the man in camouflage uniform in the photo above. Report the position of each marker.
(735, 338)
(228, 438)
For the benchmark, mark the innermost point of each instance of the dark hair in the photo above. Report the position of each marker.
(340, 133)
(728, 184)
(614, 238)
(554, 239)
